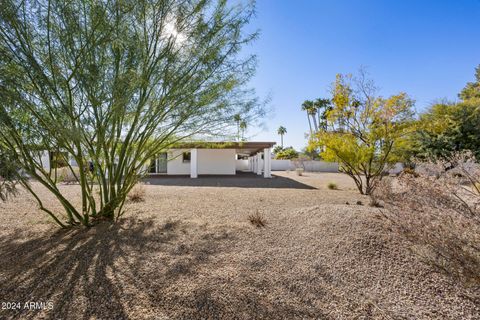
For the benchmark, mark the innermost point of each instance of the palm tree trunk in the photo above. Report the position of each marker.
(309, 124)
(281, 137)
(315, 124)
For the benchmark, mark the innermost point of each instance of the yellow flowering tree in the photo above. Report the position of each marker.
(369, 131)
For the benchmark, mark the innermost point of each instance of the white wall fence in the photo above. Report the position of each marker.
(311, 166)
(241, 165)
(321, 166)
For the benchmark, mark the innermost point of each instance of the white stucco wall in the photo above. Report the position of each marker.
(210, 161)
(216, 161)
(282, 165)
(396, 169)
(241, 165)
(321, 166)
(175, 164)
(45, 160)
(312, 166)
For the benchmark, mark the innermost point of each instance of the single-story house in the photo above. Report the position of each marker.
(214, 158)
(202, 158)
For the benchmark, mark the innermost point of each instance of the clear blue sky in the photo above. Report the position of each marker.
(428, 49)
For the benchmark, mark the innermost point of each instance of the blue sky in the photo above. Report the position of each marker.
(428, 49)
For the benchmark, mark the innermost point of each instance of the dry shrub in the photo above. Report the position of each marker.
(410, 171)
(438, 210)
(257, 219)
(137, 194)
(7, 188)
(10, 175)
(66, 175)
(332, 186)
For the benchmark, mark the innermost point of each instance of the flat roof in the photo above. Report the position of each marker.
(242, 147)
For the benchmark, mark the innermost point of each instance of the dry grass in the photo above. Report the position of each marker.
(439, 212)
(190, 253)
(137, 194)
(257, 219)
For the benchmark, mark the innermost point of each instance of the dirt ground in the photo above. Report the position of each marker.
(189, 252)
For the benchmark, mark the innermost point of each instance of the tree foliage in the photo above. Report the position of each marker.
(472, 89)
(286, 154)
(446, 127)
(366, 129)
(110, 84)
(449, 127)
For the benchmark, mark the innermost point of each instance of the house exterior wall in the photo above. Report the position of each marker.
(175, 164)
(210, 161)
(216, 161)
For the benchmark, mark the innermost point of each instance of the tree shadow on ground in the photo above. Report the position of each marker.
(240, 180)
(129, 270)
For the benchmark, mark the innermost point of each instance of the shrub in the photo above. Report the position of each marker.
(286, 154)
(374, 202)
(410, 171)
(257, 219)
(439, 213)
(66, 175)
(137, 194)
(9, 175)
(332, 186)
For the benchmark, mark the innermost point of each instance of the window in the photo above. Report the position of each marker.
(153, 166)
(186, 156)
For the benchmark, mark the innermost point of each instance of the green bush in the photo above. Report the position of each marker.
(332, 186)
(286, 154)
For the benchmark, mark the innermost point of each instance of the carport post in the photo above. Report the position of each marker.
(259, 163)
(193, 163)
(267, 163)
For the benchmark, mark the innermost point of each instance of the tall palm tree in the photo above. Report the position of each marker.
(237, 118)
(243, 128)
(311, 109)
(322, 106)
(281, 131)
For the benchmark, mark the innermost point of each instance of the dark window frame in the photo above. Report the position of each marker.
(186, 157)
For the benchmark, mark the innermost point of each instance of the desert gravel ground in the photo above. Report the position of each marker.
(189, 252)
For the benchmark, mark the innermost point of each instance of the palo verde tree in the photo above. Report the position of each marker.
(110, 84)
(367, 129)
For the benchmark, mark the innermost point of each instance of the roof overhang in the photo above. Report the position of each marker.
(241, 147)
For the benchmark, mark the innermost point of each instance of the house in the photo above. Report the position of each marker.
(196, 158)
(214, 158)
